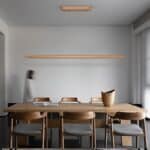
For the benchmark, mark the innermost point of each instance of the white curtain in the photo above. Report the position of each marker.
(141, 69)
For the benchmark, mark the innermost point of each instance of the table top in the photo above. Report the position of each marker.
(29, 107)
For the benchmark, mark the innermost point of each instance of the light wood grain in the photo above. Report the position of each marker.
(99, 108)
(75, 56)
(75, 7)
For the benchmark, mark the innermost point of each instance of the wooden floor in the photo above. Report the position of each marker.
(71, 149)
(74, 149)
(53, 144)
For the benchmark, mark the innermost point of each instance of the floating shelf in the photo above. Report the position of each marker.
(76, 56)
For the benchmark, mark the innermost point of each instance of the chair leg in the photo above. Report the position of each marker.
(106, 123)
(50, 136)
(61, 133)
(145, 137)
(11, 141)
(105, 137)
(92, 137)
(80, 140)
(145, 142)
(137, 141)
(121, 141)
(112, 135)
(46, 132)
(112, 139)
(62, 142)
(91, 141)
(94, 133)
(11, 134)
(16, 142)
(43, 132)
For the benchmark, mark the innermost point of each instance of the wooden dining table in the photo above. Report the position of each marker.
(76, 107)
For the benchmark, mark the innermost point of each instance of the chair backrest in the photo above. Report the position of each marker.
(130, 115)
(27, 116)
(78, 116)
(41, 99)
(69, 99)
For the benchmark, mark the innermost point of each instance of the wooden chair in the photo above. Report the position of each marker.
(67, 100)
(101, 119)
(133, 129)
(20, 126)
(44, 99)
(78, 128)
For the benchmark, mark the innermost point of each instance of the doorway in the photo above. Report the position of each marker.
(2, 72)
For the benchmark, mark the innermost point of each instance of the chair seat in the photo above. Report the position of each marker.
(127, 129)
(78, 129)
(28, 129)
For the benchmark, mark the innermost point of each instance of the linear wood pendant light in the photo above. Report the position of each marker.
(76, 7)
(76, 56)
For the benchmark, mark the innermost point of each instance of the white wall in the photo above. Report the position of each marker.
(4, 40)
(81, 78)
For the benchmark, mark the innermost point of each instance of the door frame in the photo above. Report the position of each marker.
(4, 46)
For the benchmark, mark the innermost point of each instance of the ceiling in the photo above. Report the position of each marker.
(47, 12)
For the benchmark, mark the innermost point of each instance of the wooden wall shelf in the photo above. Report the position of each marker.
(76, 56)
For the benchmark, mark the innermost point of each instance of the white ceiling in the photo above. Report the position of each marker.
(46, 12)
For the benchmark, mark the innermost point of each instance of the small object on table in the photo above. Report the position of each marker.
(108, 97)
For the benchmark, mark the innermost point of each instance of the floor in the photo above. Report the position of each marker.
(73, 149)
(4, 139)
